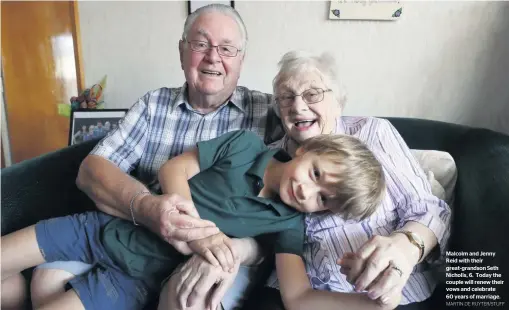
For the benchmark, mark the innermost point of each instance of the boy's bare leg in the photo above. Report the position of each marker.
(47, 284)
(65, 301)
(19, 251)
(13, 293)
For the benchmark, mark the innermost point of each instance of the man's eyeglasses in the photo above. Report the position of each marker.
(222, 49)
(310, 96)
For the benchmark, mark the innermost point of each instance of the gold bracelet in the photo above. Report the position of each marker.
(132, 203)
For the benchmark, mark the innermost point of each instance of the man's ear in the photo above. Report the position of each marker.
(181, 53)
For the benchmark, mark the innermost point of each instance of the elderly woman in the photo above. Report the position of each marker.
(387, 256)
(390, 252)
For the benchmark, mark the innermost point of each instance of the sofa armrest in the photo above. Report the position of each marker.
(43, 187)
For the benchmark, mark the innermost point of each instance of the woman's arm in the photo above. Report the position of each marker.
(297, 293)
(391, 259)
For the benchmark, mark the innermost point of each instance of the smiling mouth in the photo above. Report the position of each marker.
(304, 125)
(210, 72)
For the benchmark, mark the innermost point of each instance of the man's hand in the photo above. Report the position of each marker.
(218, 250)
(174, 219)
(197, 279)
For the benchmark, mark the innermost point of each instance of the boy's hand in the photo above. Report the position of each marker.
(350, 266)
(217, 249)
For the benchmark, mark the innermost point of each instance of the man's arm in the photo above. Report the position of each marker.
(108, 186)
(112, 190)
(297, 293)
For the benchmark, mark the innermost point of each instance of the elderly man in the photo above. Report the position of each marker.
(162, 124)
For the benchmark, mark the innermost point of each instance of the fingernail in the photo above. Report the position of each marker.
(385, 300)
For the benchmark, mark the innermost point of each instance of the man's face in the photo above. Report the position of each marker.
(210, 73)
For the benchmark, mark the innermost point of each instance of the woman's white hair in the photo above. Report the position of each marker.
(295, 63)
(220, 8)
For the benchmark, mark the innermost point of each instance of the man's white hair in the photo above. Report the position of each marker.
(220, 8)
(295, 63)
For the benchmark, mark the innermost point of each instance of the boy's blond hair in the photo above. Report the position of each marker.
(359, 182)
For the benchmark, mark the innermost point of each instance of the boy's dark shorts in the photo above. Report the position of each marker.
(78, 238)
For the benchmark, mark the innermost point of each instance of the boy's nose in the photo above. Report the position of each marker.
(305, 191)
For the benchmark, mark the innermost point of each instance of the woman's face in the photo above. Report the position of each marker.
(302, 121)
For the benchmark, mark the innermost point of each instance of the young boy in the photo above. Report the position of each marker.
(234, 181)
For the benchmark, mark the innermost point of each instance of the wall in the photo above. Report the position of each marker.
(447, 61)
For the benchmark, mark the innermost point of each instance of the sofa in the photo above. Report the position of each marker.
(44, 187)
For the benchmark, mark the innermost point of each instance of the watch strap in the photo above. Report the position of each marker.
(410, 235)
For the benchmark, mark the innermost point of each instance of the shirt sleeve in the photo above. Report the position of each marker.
(408, 186)
(125, 145)
(229, 149)
(291, 241)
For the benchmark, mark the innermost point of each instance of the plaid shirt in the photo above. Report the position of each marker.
(162, 125)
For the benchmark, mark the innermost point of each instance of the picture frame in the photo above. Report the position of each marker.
(96, 123)
(193, 5)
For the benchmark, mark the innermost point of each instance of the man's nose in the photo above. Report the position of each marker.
(212, 54)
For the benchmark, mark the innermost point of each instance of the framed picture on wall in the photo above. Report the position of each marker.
(93, 124)
(192, 5)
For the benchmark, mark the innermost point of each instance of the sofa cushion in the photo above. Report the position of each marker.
(441, 171)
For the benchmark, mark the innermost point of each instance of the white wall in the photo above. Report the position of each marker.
(447, 61)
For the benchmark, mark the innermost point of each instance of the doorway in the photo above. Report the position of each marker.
(41, 69)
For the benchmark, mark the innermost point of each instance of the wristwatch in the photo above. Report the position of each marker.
(415, 239)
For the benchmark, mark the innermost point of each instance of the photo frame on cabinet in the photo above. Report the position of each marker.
(93, 124)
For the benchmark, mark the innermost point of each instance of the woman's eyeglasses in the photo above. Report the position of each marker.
(309, 96)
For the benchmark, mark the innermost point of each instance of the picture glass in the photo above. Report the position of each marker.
(90, 125)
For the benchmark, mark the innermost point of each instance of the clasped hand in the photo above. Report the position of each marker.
(381, 267)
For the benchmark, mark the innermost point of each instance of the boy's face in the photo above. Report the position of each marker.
(306, 183)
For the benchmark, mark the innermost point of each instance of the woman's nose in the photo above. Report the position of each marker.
(299, 104)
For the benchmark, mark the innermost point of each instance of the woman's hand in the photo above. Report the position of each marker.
(218, 250)
(381, 266)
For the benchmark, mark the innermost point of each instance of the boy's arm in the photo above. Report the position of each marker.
(297, 293)
(174, 174)
(173, 177)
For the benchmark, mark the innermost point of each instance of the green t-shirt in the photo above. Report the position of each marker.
(224, 192)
